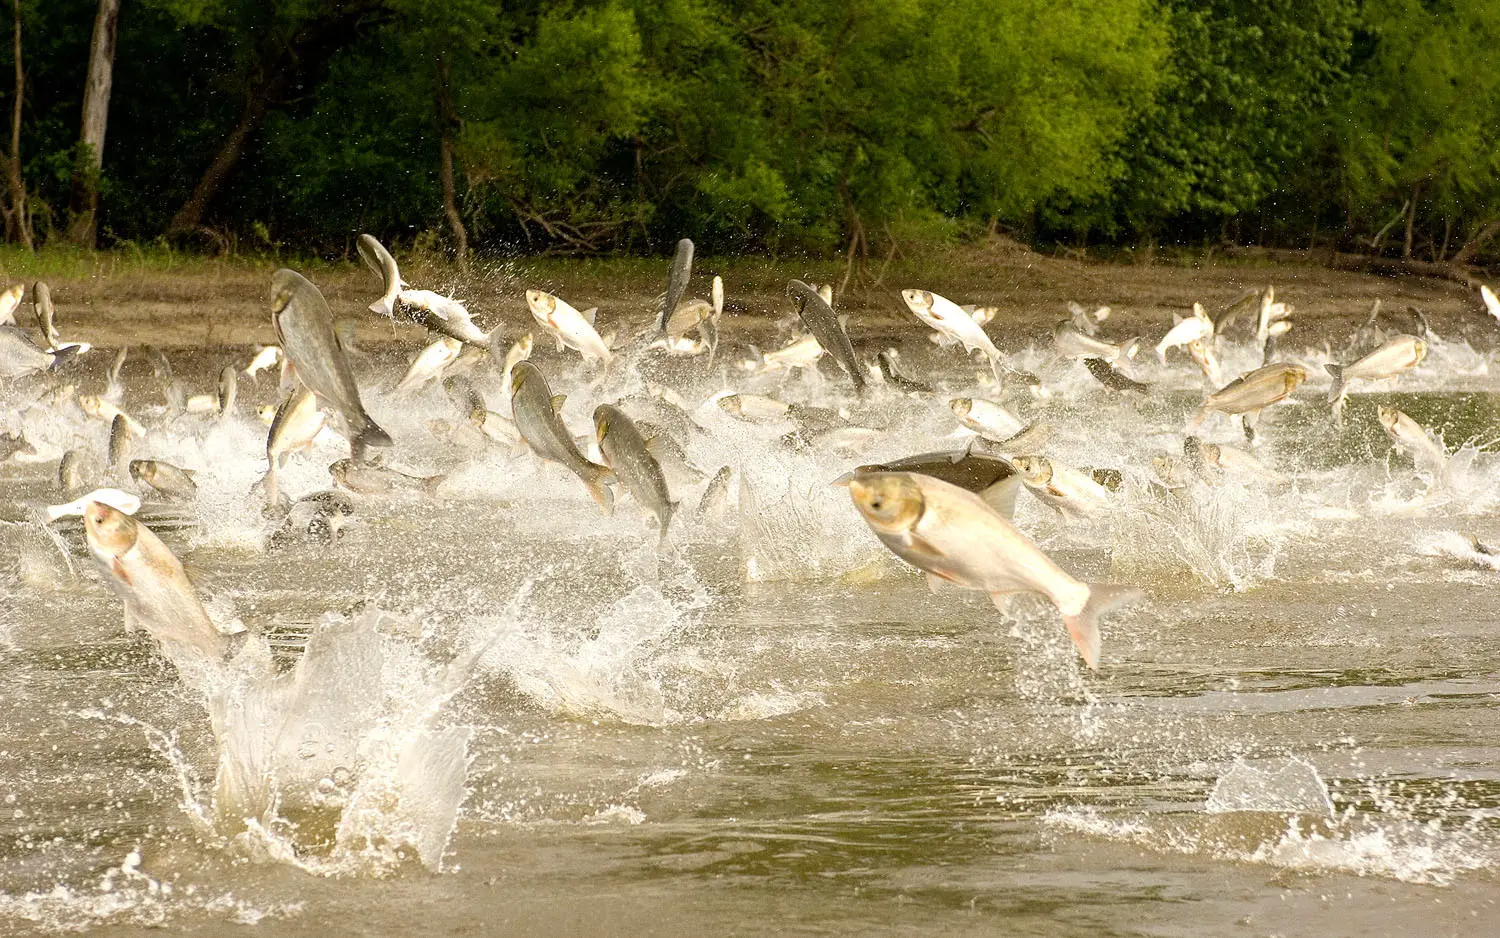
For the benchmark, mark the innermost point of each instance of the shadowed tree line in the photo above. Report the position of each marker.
(854, 126)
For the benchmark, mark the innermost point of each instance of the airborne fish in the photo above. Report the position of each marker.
(295, 426)
(164, 477)
(1413, 438)
(1071, 343)
(304, 325)
(626, 452)
(1195, 328)
(953, 535)
(994, 480)
(948, 318)
(1072, 493)
(149, 579)
(568, 324)
(1106, 375)
(430, 363)
(1395, 356)
(986, 418)
(1251, 393)
(537, 417)
(818, 315)
(677, 283)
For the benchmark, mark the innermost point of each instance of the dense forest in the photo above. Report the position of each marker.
(776, 126)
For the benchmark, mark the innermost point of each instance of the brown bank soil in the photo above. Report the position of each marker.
(224, 302)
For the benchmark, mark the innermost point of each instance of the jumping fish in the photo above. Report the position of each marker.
(986, 418)
(149, 579)
(20, 357)
(1107, 375)
(368, 479)
(952, 535)
(379, 260)
(891, 372)
(114, 498)
(626, 452)
(538, 418)
(268, 356)
(677, 283)
(1251, 393)
(1491, 302)
(430, 363)
(818, 315)
(1195, 328)
(1414, 439)
(229, 389)
(568, 324)
(10, 301)
(799, 353)
(164, 477)
(994, 480)
(1072, 493)
(294, 427)
(1207, 360)
(304, 326)
(948, 318)
(1071, 343)
(1397, 355)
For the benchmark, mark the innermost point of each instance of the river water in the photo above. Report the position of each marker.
(500, 712)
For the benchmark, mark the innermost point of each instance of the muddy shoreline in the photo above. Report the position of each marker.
(212, 304)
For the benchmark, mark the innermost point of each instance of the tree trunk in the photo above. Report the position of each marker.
(83, 210)
(312, 46)
(20, 223)
(1466, 253)
(1411, 220)
(448, 120)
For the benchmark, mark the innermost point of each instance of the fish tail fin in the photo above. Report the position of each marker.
(371, 435)
(385, 306)
(1131, 346)
(996, 370)
(1084, 627)
(597, 477)
(666, 519)
(64, 355)
(1339, 384)
(431, 484)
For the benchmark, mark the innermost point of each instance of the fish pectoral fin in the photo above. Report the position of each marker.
(1002, 598)
(590, 314)
(558, 400)
(118, 569)
(519, 448)
(925, 549)
(1055, 492)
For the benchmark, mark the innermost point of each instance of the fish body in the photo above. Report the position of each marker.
(1070, 492)
(994, 480)
(21, 357)
(1203, 355)
(379, 260)
(949, 319)
(799, 353)
(678, 276)
(754, 408)
(46, 314)
(304, 326)
(568, 324)
(537, 417)
(445, 316)
(951, 534)
(70, 472)
(1257, 389)
(1107, 375)
(430, 363)
(369, 479)
(820, 320)
(1397, 355)
(1072, 343)
(1491, 302)
(1195, 328)
(891, 372)
(10, 301)
(986, 418)
(626, 452)
(267, 357)
(149, 579)
(166, 478)
(229, 390)
(1412, 438)
(295, 426)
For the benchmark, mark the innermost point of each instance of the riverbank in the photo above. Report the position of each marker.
(173, 300)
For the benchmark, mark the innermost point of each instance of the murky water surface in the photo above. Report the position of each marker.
(517, 716)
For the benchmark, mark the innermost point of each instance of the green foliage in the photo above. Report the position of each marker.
(818, 126)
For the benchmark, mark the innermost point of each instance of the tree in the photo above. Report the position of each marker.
(84, 207)
(17, 216)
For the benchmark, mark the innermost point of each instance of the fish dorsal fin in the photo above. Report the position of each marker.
(1177, 318)
(558, 400)
(590, 314)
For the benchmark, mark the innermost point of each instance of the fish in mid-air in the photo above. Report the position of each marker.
(986, 418)
(994, 480)
(1251, 393)
(952, 535)
(626, 452)
(304, 326)
(678, 276)
(1195, 328)
(571, 327)
(948, 318)
(166, 478)
(1398, 354)
(536, 412)
(1414, 439)
(1072, 493)
(818, 316)
(150, 581)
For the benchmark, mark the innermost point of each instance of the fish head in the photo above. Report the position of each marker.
(961, 406)
(91, 404)
(918, 301)
(1035, 469)
(541, 303)
(891, 502)
(142, 470)
(1418, 350)
(519, 376)
(731, 404)
(1389, 416)
(1294, 375)
(109, 531)
(339, 470)
(603, 417)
